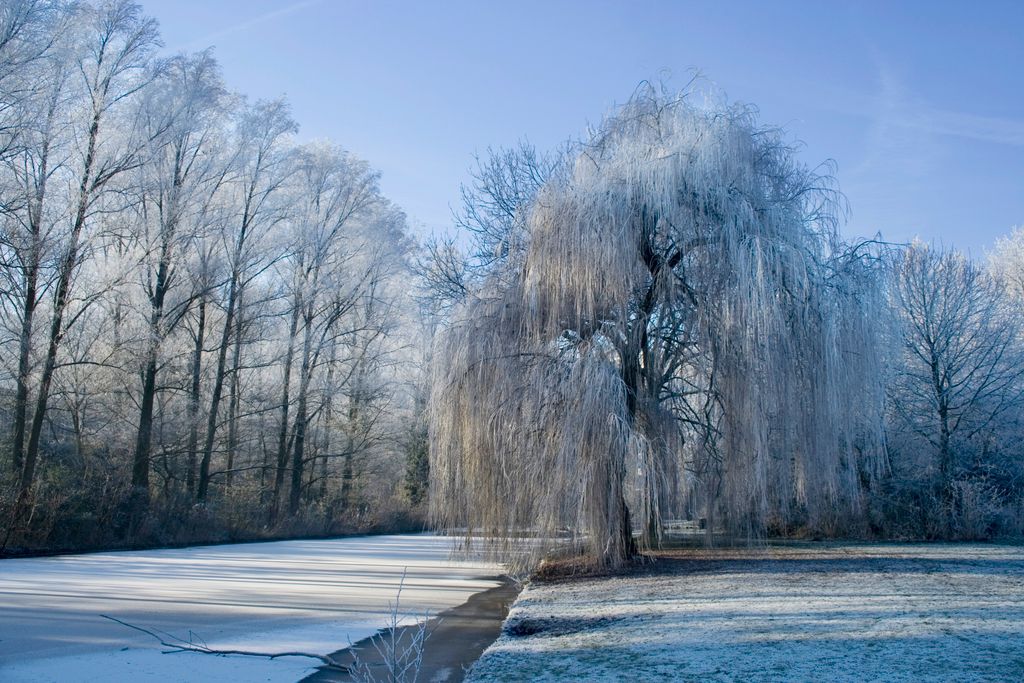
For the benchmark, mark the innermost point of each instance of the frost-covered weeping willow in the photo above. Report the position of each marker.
(685, 333)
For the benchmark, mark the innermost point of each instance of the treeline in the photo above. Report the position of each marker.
(205, 327)
(209, 331)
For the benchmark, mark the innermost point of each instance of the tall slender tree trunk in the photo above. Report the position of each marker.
(946, 464)
(25, 355)
(62, 294)
(328, 407)
(35, 222)
(282, 434)
(144, 436)
(234, 397)
(298, 455)
(265, 462)
(24, 369)
(168, 229)
(194, 396)
(301, 418)
(234, 294)
(218, 389)
(77, 412)
(347, 464)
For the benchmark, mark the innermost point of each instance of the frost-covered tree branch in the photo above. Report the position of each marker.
(674, 311)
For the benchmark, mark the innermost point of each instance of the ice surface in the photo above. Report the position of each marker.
(314, 596)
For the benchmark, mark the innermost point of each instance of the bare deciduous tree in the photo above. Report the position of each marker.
(263, 164)
(959, 366)
(113, 67)
(181, 177)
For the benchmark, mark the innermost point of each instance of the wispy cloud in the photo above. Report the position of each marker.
(893, 143)
(972, 126)
(211, 38)
(895, 105)
(906, 147)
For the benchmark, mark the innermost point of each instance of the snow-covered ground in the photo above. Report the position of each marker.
(790, 613)
(313, 596)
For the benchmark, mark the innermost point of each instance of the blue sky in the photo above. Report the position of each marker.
(921, 104)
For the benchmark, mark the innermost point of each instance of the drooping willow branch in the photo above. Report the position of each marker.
(683, 304)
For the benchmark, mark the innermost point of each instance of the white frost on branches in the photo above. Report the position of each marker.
(684, 320)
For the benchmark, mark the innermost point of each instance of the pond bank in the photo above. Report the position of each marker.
(456, 639)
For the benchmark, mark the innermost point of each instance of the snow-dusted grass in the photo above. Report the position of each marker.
(785, 613)
(313, 596)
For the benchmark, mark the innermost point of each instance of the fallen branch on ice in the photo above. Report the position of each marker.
(179, 645)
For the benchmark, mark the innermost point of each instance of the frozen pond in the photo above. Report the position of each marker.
(314, 596)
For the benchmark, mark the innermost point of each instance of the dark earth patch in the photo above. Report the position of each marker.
(553, 626)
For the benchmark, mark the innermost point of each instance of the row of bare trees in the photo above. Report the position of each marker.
(192, 305)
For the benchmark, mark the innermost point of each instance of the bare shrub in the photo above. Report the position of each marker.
(977, 510)
(399, 647)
